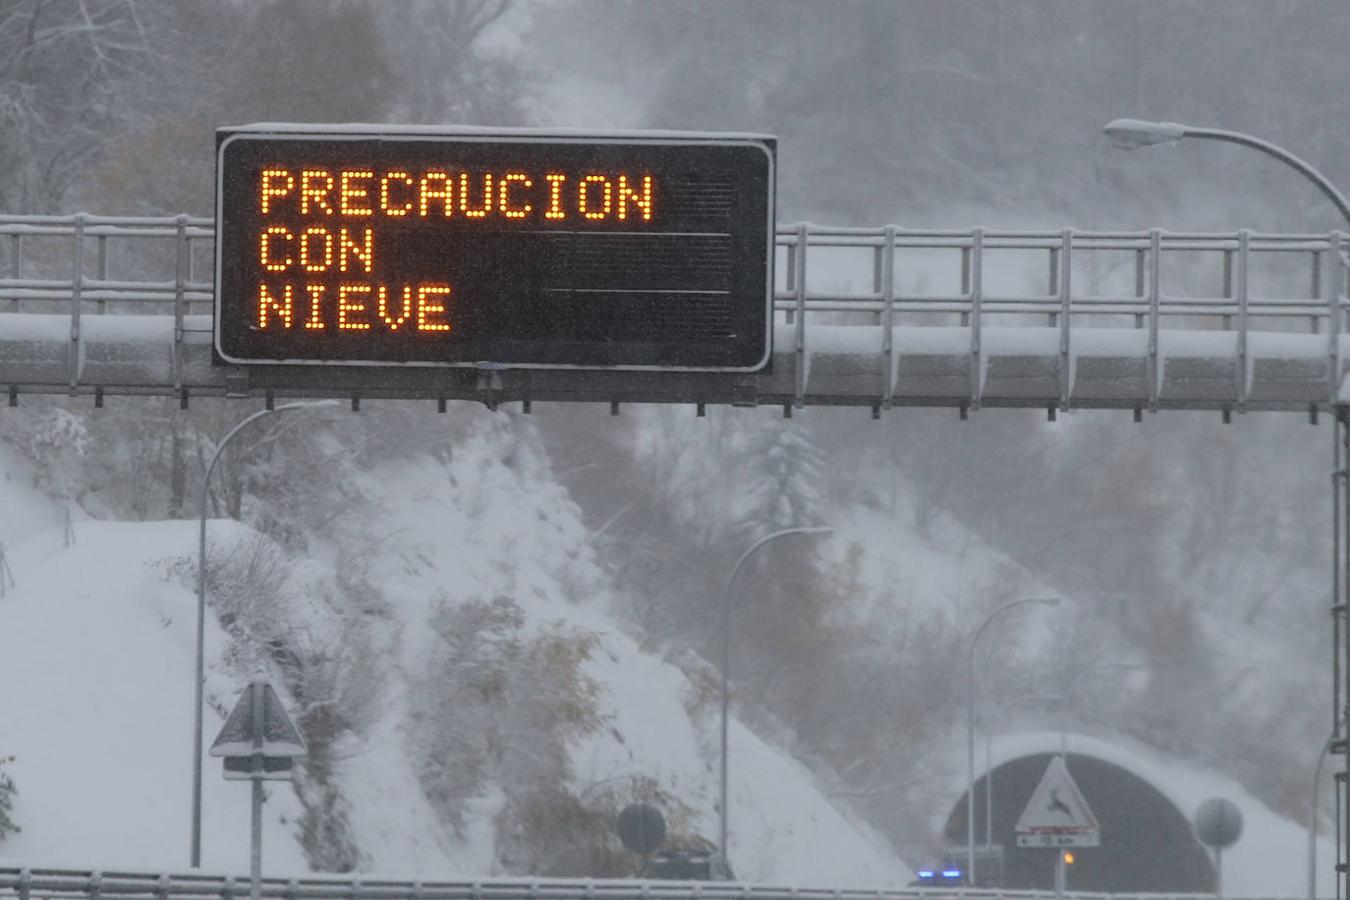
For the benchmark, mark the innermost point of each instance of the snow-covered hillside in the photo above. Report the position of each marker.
(99, 639)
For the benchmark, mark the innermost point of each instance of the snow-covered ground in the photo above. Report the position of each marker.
(98, 713)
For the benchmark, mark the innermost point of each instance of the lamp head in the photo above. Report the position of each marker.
(307, 404)
(1131, 134)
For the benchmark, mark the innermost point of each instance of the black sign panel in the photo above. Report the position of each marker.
(513, 250)
(268, 768)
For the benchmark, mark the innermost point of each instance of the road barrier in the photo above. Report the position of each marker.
(58, 884)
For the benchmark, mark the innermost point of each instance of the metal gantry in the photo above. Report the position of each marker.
(872, 317)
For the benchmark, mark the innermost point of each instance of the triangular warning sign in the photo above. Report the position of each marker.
(258, 724)
(1057, 806)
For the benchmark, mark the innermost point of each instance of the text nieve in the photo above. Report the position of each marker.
(354, 307)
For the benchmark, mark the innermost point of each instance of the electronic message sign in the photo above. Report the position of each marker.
(358, 247)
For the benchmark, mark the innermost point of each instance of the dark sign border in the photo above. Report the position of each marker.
(321, 134)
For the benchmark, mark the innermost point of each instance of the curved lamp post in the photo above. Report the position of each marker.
(200, 680)
(970, 723)
(726, 665)
(1131, 134)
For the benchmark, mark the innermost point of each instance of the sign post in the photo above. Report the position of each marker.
(259, 742)
(1058, 817)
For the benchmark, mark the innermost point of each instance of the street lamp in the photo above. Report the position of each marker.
(970, 723)
(1131, 134)
(726, 665)
(200, 680)
(1073, 685)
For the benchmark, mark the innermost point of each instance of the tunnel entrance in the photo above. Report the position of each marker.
(1147, 843)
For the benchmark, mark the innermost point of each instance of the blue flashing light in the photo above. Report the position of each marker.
(951, 873)
(925, 873)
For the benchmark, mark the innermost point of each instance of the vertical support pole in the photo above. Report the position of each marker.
(1228, 282)
(1059, 873)
(878, 264)
(1315, 289)
(102, 270)
(1332, 277)
(15, 265)
(1065, 301)
(976, 297)
(1312, 812)
(799, 333)
(989, 789)
(965, 280)
(191, 261)
(1338, 487)
(1342, 417)
(1154, 310)
(1139, 271)
(182, 259)
(1244, 259)
(255, 843)
(1054, 279)
(888, 317)
(791, 265)
(1330, 282)
(76, 290)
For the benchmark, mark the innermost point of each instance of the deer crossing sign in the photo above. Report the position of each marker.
(1057, 815)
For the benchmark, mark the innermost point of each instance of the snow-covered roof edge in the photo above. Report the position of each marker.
(364, 128)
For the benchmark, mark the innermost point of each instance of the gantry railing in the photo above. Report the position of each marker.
(874, 317)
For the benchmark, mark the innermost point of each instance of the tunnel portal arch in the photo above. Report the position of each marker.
(1147, 842)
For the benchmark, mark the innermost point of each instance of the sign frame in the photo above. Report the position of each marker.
(767, 144)
(1083, 829)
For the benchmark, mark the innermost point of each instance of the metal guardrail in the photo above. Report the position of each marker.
(831, 282)
(82, 273)
(60, 884)
(38, 269)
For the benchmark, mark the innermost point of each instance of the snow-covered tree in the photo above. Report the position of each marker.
(7, 792)
(66, 67)
(779, 478)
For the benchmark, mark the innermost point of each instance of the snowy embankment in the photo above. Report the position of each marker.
(99, 656)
